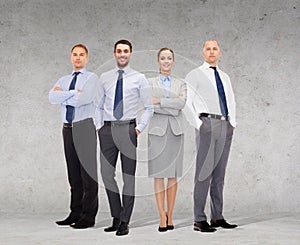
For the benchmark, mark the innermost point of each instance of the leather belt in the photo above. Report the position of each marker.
(113, 123)
(68, 125)
(214, 116)
(84, 121)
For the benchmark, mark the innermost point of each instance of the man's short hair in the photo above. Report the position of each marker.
(123, 41)
(80, 46)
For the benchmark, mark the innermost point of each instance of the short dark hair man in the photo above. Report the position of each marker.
(120, 91)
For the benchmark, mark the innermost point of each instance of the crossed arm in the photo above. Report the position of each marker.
(171, 106)
(57, 88)
(74, 98)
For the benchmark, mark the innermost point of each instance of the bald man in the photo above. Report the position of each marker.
(211, 100)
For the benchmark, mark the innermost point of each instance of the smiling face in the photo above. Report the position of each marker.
(122, 55)
(211, 52)
(165, 61)
(79, 58)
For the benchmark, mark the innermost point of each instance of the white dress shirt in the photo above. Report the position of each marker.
(135, 89)
(203, 95)
(83, 101)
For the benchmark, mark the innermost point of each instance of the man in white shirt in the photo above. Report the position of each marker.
(75, 93)
(211, 101)
(120, 91)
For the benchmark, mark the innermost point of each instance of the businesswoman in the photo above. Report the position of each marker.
(165, 136)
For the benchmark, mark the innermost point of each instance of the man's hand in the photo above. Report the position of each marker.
(57, 88)
(137, 131)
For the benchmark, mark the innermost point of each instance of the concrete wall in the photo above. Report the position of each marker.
(260, 43)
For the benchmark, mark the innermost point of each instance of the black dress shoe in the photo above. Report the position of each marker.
(222, 223)
(114, 226)
(203, 226)
(170, 227)
(83, 224)
(123, 229)
(162, 229)
(68, 221)
(165, 228)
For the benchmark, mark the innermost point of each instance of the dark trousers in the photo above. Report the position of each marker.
(114, 139)
(213, 143)
(80, 146)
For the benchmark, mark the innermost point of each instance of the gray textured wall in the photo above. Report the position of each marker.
(260, 43)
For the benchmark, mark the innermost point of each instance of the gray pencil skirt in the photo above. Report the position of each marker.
(165, 155)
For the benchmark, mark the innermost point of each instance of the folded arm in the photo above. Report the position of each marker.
(171, 106)
(58, 96)
(86, 95)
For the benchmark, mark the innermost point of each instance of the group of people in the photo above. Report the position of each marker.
(108, 106)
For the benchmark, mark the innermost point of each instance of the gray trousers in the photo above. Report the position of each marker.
(213, 146)
(114, 139)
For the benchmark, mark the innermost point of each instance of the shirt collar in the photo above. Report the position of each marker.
(165, 79)
(207, 66)
(83, 70)
(126, 69)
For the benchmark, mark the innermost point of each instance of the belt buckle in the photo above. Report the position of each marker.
(68, 125)
(209, 116)
(223, 118)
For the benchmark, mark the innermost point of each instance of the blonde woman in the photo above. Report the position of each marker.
(166, 136)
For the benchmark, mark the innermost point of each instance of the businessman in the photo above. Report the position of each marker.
(120, 91)
(211, 100)
(76, 94)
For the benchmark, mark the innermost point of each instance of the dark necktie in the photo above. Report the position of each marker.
(70, 109)
(221, 92)
(118, 104)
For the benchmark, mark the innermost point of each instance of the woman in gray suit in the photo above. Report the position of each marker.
(166, 136)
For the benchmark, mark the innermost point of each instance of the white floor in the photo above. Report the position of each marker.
(41, 229)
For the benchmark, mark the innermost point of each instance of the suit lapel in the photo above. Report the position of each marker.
(174, 87)
(159, 90)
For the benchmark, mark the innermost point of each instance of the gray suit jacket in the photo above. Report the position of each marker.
(169, 109)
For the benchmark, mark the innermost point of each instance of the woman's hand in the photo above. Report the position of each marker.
(155, 100)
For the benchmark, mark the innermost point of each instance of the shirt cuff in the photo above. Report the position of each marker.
(140, 127)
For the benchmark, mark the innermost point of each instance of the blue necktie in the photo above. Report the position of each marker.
(221, 92)
(118, 104)
(70, 109)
